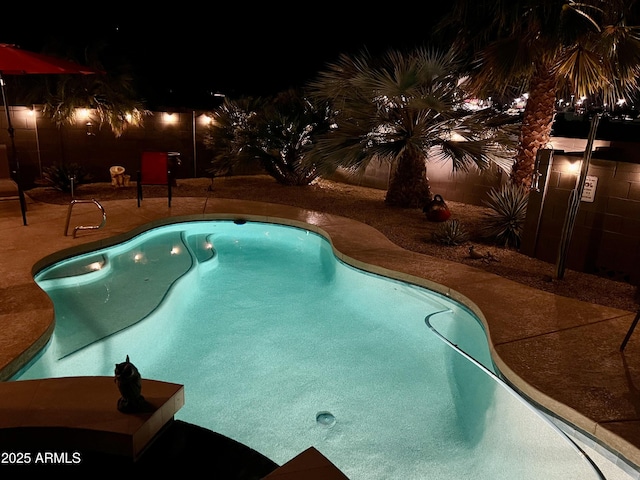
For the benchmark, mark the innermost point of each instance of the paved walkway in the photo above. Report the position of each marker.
(562, 353)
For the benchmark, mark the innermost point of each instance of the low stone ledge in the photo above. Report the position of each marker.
(80, 413)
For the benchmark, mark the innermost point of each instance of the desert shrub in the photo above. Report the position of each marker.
(451, 233)
(506, 217)
(59, 176)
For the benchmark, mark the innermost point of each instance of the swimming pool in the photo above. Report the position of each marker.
(281, 346)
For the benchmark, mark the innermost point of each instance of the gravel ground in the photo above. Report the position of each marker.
(407, 228)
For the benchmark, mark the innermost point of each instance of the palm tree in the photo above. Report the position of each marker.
(110, 95)
(548, 48)
(406, 109)
(278, 132)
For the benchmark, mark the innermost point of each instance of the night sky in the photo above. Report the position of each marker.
(182, 58)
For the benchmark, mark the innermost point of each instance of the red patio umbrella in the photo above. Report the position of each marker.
(15, 61)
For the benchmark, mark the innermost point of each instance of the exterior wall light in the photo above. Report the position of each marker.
(574, 166)
(169, 118)
(82, 113)
(205, 119)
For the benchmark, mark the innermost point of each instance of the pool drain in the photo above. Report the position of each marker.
(326, 419)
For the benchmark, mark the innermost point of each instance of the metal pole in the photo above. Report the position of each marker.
(14, 156)
(574, 200)
(193, 129)
(35, 126)
(537, 197)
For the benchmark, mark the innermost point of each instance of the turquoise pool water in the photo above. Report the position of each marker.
(281, 346)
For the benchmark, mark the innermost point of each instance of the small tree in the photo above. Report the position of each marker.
(407, 109)
(278, 132)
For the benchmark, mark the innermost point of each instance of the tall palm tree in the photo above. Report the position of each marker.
(406, 108)
(278, 132)
(548, 48)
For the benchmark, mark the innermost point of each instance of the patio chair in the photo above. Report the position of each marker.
(154, 170)
(10, 186)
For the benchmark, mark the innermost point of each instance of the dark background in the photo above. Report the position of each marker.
(183, 57)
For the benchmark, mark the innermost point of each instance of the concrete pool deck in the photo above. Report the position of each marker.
(560, 352)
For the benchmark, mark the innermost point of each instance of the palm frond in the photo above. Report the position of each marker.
(407, 107)
(585, 71)
(278, 132)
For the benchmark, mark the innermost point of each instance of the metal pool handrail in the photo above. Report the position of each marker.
(82, 227)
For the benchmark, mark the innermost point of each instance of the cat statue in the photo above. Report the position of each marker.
(129, 382)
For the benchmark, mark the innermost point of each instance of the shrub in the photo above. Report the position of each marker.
(59, 176)
(508, 210)
(450, 233)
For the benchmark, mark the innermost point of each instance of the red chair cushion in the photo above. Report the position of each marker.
(154, 167)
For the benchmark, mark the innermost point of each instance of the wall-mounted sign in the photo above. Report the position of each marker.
(589, 190)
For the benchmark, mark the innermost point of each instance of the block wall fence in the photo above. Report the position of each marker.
(606, 236)
(605, 239)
